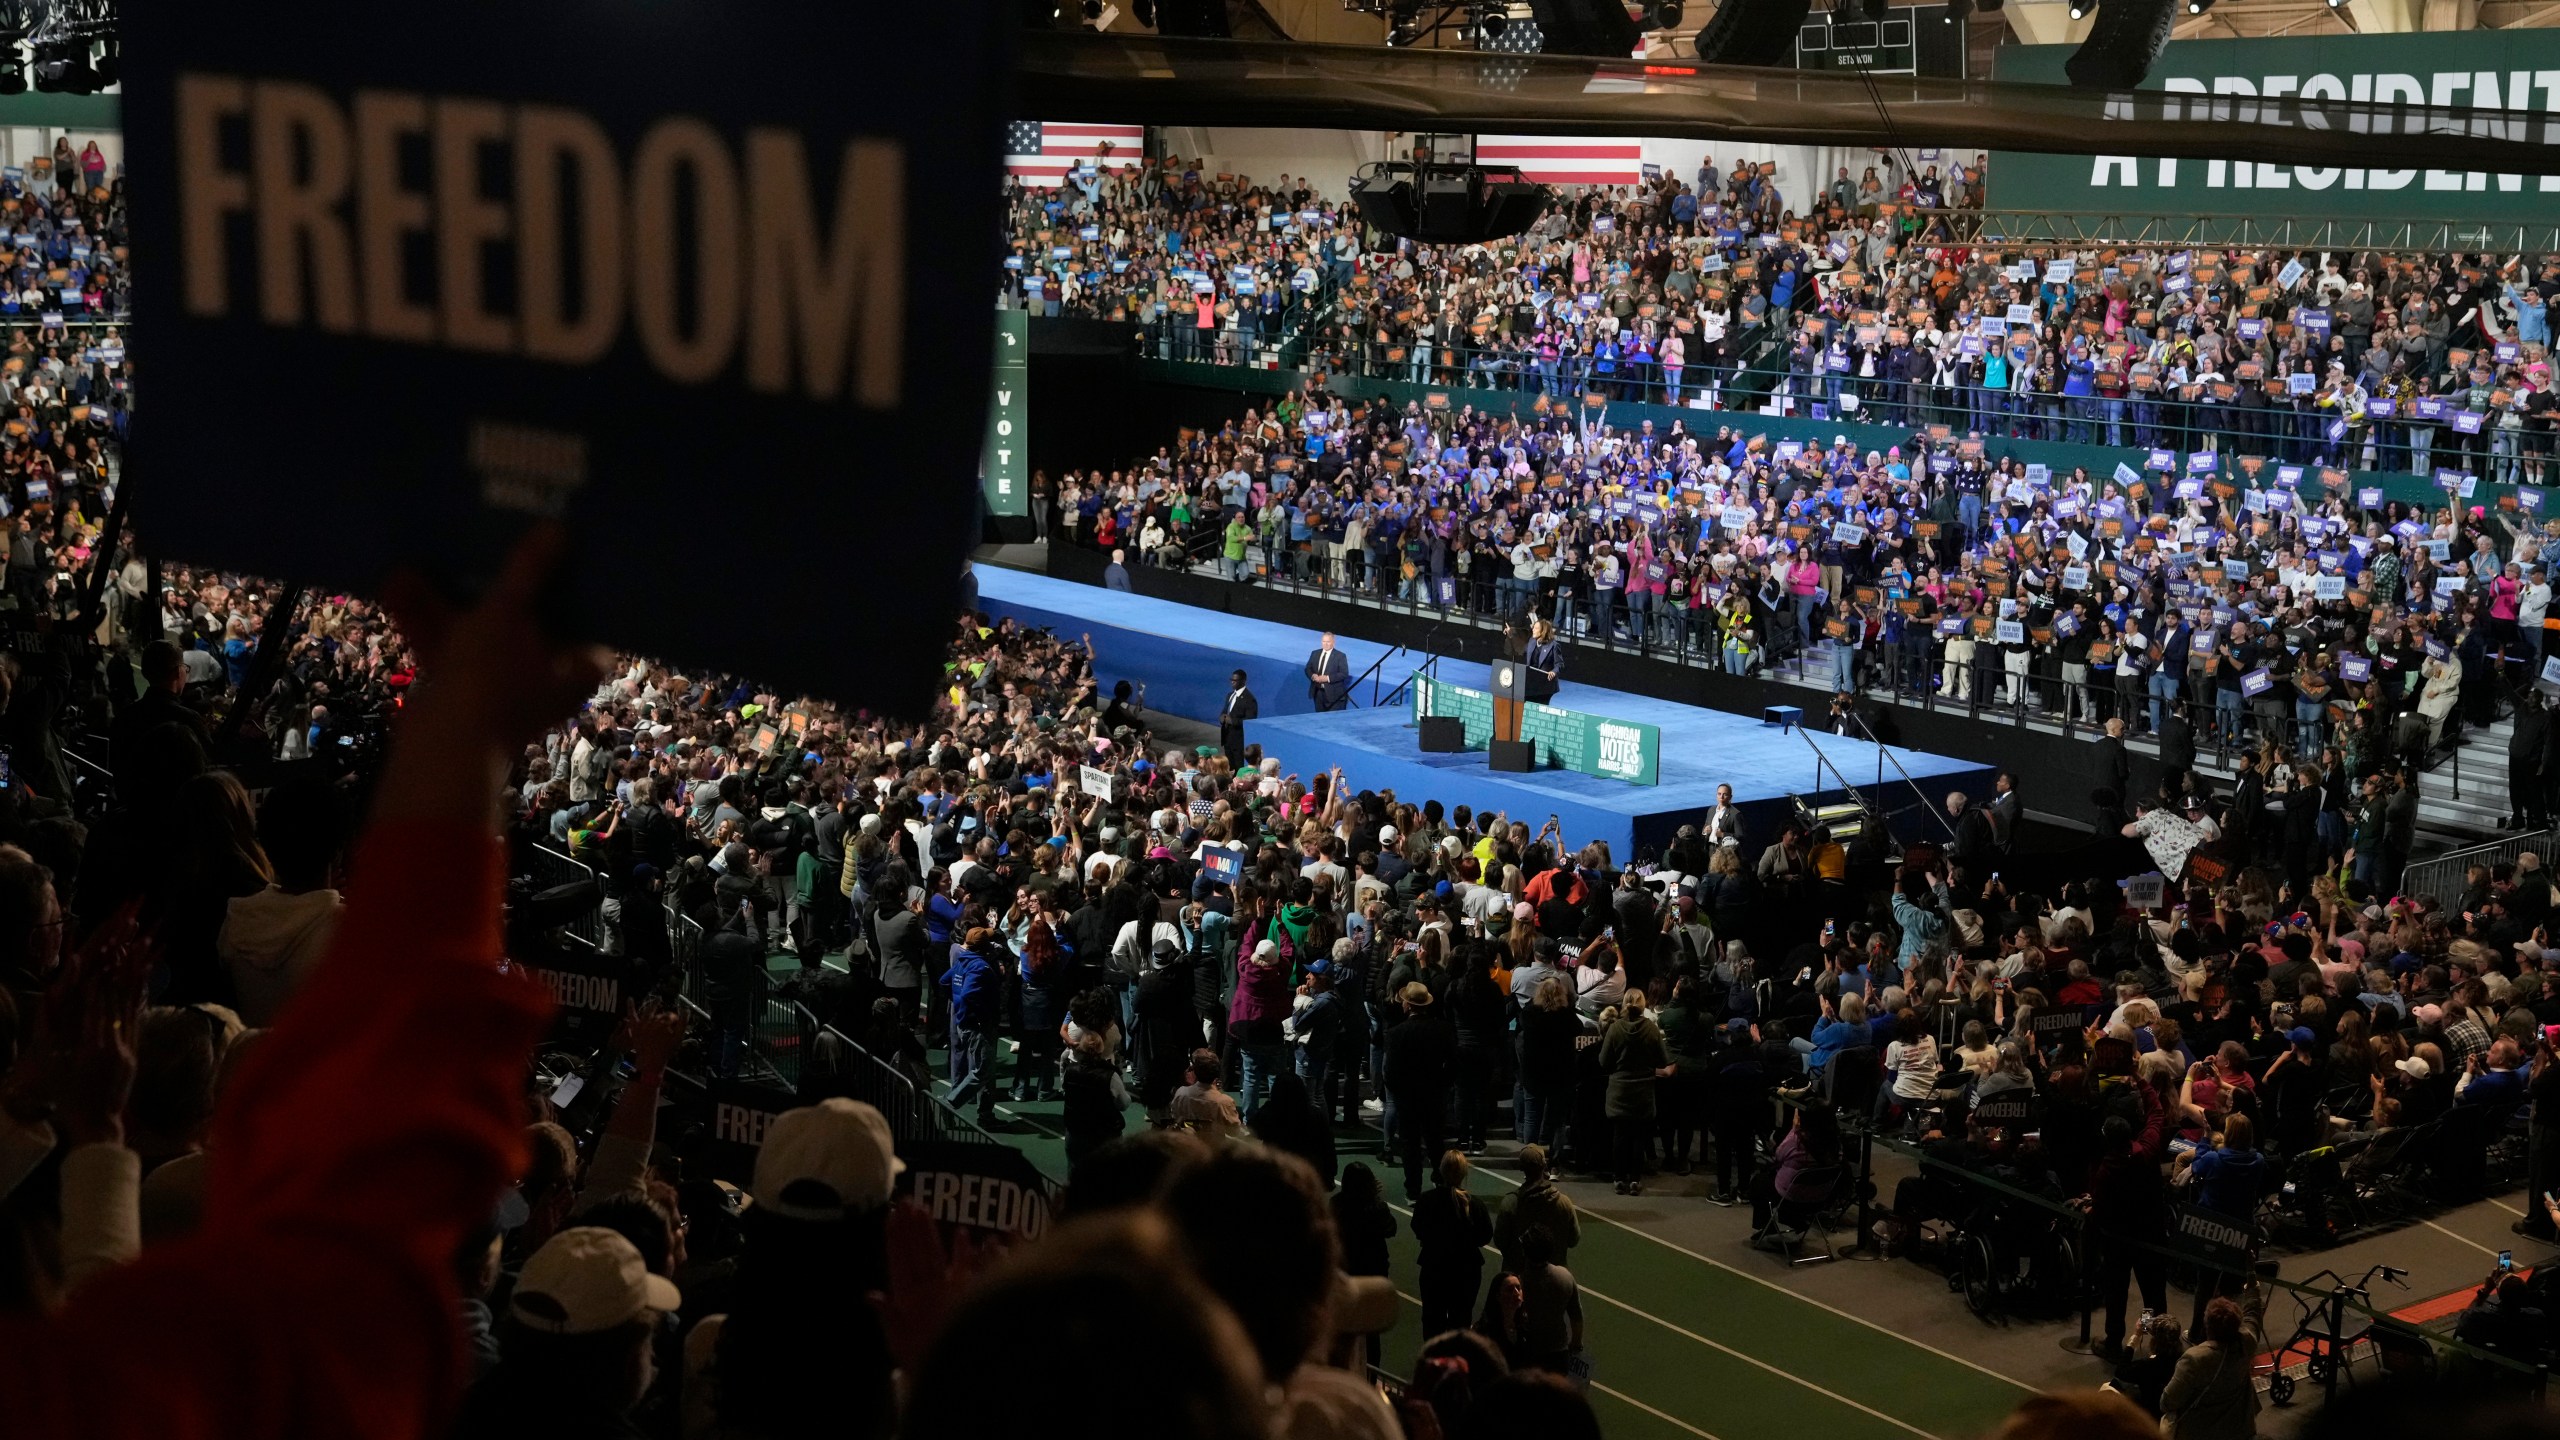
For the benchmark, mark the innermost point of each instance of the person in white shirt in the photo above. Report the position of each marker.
(1724, 823)
(2533, 603)
(2170, 837)
(1912, 1059)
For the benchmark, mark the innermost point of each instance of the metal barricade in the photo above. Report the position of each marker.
(2443, 877)
(551, 868)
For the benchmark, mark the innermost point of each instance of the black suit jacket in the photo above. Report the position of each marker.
(1333, 665)
(2115, 770)
(1240, 707)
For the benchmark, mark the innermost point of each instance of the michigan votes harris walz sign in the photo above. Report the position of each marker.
(703, 282)
(2419, 79)
(1558, 739)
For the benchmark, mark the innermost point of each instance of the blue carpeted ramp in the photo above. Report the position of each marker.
(1183, 654)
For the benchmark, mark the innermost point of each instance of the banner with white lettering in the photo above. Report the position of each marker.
(521, 262)
(740, 1114)
(2304, 81)
(587, 986)
(1004, 466)
(992, 1190)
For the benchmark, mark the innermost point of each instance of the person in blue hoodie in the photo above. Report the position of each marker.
(1843, 1027)
(975, 990)
(2232, 1177)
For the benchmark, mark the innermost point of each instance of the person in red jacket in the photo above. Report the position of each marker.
(376, 1123)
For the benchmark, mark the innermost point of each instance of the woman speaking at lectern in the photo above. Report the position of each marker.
(1545, 659)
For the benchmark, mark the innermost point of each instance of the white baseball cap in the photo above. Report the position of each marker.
(826, 1161)
(1387, 835)
(586, 1280)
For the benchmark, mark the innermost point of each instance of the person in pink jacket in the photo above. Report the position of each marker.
(1645, 587)
(1804, 577)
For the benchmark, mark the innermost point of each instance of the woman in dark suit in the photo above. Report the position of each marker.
(1545, 660)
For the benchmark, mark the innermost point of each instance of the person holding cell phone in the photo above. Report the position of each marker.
(2542, 1157)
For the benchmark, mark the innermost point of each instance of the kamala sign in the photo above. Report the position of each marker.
(522, 261)
(2306, 82)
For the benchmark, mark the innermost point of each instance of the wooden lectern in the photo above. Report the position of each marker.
(1508, 682)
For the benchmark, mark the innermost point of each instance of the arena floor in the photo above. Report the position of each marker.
(1694, 1333)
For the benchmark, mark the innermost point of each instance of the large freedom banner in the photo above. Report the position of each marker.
(1558, 739)
(486, 262)
(2312, 82)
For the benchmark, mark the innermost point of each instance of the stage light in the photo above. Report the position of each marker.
(2123, 44)
(2079, 9)
(2198, 7)
(1752, 32)
(13, 66)
(62, 67)
(1664, 14)
(1955, 11)
(1492, 23)
(1872, 11)
(1144, 12)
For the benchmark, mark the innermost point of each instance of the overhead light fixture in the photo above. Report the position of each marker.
(2079, 9)
(1955, 11)
(2123, 44)
(1752, 32)
(2198, 7)
(1664, 14)
(13, 66)
(62, 67)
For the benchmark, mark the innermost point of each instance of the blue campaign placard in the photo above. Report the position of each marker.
(610, 273)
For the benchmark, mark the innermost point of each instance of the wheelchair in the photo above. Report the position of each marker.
(2012, 1254)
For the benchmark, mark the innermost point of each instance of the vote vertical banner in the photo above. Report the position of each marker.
(707, 288)
(1003, 472)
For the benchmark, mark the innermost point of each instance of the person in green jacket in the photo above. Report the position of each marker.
(1239, 535)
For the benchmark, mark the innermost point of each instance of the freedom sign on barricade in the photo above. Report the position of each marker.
(539, 262)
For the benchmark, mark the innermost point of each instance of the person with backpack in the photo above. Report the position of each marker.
(1452, 1228)
(1096, 1101)
(1263, 965)
(1043, 1004)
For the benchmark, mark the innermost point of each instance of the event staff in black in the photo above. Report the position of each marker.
(1328, 675)
(1240, 707)
(1545, 659)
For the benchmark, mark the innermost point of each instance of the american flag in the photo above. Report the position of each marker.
(1038, 153)
(1566, 159)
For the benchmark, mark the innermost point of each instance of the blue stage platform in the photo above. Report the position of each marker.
(1183, 655)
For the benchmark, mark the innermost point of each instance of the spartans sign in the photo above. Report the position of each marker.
(2418, 79)
(678, 275)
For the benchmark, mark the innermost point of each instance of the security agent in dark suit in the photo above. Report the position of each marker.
(2004, 811)
(1240, 707)
(1328, 676)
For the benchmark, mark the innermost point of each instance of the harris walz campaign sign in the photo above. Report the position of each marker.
(496, 261)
